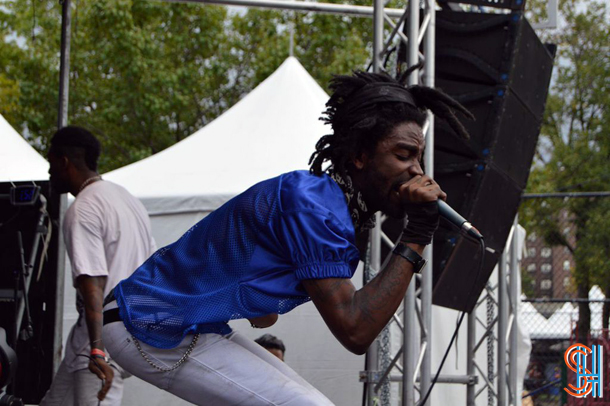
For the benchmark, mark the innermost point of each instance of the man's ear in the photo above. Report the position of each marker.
(67, 165)
(65, 162)
(360, 160)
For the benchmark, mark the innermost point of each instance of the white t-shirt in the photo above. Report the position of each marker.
(107, 233)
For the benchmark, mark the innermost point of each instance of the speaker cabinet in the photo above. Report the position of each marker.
(495, 65)
(25, 230)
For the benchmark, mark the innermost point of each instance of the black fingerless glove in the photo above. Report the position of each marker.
(423, 219)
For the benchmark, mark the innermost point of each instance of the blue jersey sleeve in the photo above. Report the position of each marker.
(318, 245)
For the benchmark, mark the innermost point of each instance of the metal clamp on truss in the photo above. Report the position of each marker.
(369, 376)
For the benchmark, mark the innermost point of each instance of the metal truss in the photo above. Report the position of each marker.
(499, 376)
(415, 356)
(414, 372)
(491, 329)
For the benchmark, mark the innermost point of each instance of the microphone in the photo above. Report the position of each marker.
(460, 222)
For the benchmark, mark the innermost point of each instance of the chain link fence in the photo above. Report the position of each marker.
(566, 291)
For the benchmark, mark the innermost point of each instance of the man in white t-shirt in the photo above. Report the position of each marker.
(107, 235)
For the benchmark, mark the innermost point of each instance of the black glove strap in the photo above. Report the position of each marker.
(423, 219)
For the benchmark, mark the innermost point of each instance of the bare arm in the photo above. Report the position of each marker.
(356, 317)
(92, 291)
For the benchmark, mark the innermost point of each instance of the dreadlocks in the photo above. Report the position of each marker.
(360, 129)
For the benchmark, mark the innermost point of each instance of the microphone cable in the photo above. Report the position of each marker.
(457, 328)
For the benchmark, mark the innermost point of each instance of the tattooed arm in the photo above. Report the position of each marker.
(356, 317)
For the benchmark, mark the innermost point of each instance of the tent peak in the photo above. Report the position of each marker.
(271, 130)
(291, 60)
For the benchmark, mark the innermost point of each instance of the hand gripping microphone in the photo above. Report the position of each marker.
(460, 222)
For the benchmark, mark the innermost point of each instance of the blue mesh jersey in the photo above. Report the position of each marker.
(246, 259)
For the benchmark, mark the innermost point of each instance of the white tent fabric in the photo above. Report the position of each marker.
(18, 160)
(536, 323)
(596, 308)
(563, 320)
(560, 324)
(270, 131)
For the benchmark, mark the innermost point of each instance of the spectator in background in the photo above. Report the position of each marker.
(108, 235)
(272, 344)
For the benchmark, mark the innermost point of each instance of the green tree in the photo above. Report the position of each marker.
(325, 44)
(144, 74)
(9, 94)
(9, 87)
(573, 153)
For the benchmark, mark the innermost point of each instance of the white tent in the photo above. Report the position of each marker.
(563, 320)
(18, 160)
(535, 322)
(596, 308)
(270, 131)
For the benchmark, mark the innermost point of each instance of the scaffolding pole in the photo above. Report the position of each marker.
(64, 66)
(426, 285)
(410, 353)
(416, 356)
(470, 369)
(372, 355)
(62, 121)
(515, 266)
(304, 6)
(502, 321)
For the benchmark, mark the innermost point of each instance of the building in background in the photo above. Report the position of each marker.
(547, 268)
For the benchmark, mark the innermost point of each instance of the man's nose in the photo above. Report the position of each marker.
(415, 170)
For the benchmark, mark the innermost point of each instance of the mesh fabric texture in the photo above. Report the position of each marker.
(244, 260)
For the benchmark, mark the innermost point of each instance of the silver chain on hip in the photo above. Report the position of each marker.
(177, 364)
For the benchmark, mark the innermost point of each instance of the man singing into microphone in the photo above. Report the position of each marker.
(281, 243)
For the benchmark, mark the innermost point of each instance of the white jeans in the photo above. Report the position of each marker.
(80, 388)
(221, 370)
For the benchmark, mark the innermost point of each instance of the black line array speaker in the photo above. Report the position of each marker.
(495, 65)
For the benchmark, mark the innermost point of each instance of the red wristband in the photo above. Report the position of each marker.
(97, 351)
